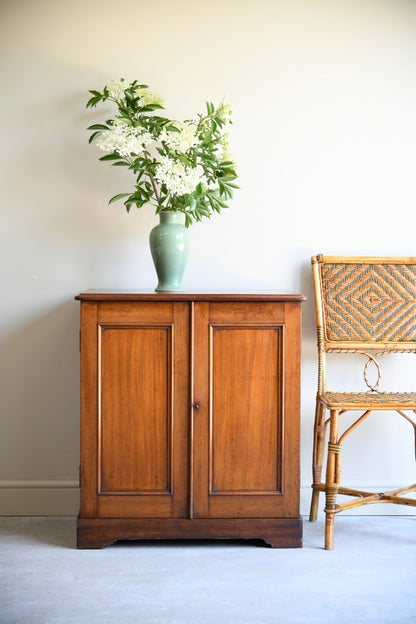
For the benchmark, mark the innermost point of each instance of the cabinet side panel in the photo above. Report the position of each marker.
(246, 409)
(136, 410)
(89, 410)
(292, 360)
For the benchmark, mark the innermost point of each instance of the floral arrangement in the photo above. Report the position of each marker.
(179, 166)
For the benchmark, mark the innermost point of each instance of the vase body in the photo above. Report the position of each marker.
(169, 245)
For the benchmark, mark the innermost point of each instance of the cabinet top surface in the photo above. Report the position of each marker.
(194, 295)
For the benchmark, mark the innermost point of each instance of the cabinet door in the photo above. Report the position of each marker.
(246, 410)
(135, 410)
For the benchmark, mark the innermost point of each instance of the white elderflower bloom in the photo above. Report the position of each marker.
(147, 138)
(149, 97)
(180, 141)
(121, 126)
(224, 144)
(116, 88)
(123, 139)
(224, 110)
(179, 180)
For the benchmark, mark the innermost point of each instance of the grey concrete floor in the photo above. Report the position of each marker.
(370, 577)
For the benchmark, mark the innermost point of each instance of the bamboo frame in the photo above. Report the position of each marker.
(338, 403)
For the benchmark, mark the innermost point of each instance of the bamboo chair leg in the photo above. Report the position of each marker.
(317, 458)
(333, 475)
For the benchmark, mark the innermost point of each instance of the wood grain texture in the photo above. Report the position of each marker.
(277, 532)
(189, 417)
(199, 295)
(136, 409)
(248, 410)
(89, 411)
(135, 412)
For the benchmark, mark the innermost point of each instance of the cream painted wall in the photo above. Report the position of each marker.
(324, 98)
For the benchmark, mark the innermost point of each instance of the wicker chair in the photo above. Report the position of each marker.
(365, 305)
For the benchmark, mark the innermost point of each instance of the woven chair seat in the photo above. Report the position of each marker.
(367, 400)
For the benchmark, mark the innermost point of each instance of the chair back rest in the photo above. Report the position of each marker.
(365, 302)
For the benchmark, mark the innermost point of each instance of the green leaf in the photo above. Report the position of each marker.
(98, 127)
(204, 211)
(93, 102)
(150, 107)
(92, 137)
(192, 203)
(226, 163)
(172, 128)
(117, 197)
(112, 156)
(188, 220)
(124, 111)
(220, 202)
(228, 180)
(126, 118)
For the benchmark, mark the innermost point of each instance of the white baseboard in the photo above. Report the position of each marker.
(61, 498)
(39, 498)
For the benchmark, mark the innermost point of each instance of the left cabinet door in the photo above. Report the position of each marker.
(134, 409)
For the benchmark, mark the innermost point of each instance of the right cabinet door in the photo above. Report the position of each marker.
(245, 454)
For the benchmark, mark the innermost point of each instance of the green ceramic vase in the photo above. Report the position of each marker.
(169, 244)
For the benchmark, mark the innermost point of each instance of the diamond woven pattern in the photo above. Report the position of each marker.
(369, 302)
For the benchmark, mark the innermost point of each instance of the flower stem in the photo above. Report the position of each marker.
(152, 180)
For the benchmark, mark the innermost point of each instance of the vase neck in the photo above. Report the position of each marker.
(170, 216)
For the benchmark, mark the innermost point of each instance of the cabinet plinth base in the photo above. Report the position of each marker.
(101, 532)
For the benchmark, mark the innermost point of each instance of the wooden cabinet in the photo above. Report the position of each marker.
(189, 417)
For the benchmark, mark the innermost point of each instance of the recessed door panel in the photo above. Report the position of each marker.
(245, 410)
(136, 409)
